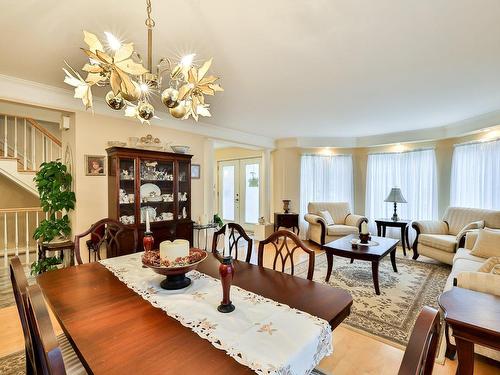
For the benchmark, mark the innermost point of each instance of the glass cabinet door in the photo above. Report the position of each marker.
(127, 191)
(157, 190)
(183, 190)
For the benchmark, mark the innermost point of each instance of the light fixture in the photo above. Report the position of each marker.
(395, 196)
(181, 87)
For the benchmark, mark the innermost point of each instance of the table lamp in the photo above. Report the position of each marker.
(396, 197)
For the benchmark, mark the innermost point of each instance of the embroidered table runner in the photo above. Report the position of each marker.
(266, 336)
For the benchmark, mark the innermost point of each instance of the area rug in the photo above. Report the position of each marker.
(391, 315)
(6, 294)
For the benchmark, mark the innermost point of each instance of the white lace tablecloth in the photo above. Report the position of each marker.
(266, 336)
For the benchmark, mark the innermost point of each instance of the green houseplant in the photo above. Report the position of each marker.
(54, 187)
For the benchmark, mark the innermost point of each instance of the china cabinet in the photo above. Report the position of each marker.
(154, 183)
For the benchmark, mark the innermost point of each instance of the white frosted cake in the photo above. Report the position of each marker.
(173, 250)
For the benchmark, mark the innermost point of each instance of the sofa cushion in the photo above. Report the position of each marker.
(487, 244)
(492, 265)
(338, 210)
(327, 217)
(465, 254)
(458, 217)
(341, 230)
(443, 242)
(461, 265)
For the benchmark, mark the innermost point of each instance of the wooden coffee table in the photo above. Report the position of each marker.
(343, 248)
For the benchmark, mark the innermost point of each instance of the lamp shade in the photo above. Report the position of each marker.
(395, 196)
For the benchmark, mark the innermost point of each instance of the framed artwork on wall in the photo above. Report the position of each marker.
(195, 171)
(95, 165)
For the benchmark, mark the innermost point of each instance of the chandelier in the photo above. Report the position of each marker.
(181, 86)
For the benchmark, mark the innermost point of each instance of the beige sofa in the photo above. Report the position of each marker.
(345, 222)
(440, 239)
(464, 274)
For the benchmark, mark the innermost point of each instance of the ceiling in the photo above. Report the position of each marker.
(291, 68)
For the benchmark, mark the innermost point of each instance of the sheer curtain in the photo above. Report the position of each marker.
(324, 178)
(475, 175)
(415, 173)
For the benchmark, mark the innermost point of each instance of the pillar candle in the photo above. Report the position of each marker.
(147, 221)
(364, 228)
(226, 251)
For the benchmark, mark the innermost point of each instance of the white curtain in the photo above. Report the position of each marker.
(415, 173)
(324, 178)
(475, 175)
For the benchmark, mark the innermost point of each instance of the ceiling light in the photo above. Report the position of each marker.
(181, 85)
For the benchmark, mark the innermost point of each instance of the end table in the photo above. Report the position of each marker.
(382, 225)
(286, 220)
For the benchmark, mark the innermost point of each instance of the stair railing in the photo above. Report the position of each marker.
(24, 139)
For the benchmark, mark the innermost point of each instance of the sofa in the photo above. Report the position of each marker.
(464, 275)
(440, 239)
(345, 222)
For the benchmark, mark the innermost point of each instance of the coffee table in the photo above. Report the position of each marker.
(343, 248)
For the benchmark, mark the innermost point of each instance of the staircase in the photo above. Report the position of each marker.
(24, 145)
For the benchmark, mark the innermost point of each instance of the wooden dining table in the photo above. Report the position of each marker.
(116, 331)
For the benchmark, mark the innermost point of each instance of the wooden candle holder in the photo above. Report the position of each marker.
(226, 272)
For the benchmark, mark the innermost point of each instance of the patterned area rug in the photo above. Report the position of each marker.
(6, 295)
(391, 315)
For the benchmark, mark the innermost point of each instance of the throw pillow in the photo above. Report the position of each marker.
(492, 265)
(327, 217)
(487, 244)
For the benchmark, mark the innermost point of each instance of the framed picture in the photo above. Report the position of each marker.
(195, 171)
(95, 165)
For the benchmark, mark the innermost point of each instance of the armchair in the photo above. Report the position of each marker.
(440, 239)
(345, 222)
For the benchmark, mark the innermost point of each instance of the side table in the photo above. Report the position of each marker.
(382, 225)
(286, 220)
(198, 228)
(474, 318)
(58, 246)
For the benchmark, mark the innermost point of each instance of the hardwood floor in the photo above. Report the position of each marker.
(354, 353)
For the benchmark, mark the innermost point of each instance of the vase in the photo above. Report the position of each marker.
(148, 241)
(286, 205)
(226, 272)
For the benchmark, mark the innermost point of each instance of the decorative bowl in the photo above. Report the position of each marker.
(176, 276)
(180, 149)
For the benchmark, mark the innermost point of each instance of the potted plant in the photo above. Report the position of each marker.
(54, 187)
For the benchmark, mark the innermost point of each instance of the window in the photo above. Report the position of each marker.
(325, 179)
(475, 175)
(414, 172)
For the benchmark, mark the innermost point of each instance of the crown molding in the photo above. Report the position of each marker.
(452, 130)
(41, 95)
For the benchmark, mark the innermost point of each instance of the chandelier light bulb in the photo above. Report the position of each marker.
(113, 41)
(187, 60)
(144, 88)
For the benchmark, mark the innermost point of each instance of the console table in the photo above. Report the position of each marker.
(286, 220)
(382, 225)
(474, 318)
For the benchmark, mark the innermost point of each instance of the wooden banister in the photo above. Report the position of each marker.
(44, 131)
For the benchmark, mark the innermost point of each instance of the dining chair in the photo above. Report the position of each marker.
(52, 357)
(236, 233)
(19, 285)
(106, 231)
(285, 244)
(421, 350)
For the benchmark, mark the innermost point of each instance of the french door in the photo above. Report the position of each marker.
(239, 191)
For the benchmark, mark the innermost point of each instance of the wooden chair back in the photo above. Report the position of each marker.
(236, 233)
(106, 231)
(48, 354)
(420, 353)
(284, 251)
(19, 286)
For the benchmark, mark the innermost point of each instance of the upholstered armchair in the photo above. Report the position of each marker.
(440, 239)
(344, 222)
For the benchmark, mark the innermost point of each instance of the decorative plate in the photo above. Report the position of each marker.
(147, 189)
(355, 241)
(150, 210)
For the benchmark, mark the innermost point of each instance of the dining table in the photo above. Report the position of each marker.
(115, 331)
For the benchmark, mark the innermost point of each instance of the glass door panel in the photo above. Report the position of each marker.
(250, 195)
(157, 190)
(127, 191)
(183, 190)
(229, 191)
